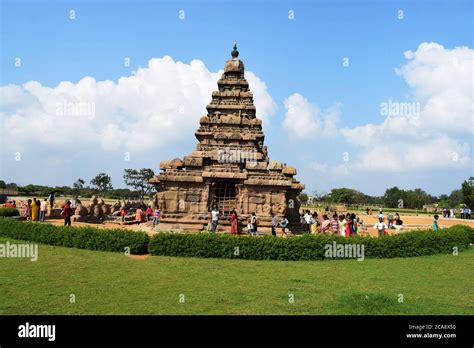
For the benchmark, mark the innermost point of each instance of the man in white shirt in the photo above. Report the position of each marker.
(214, 218)
(43, 208)
(380, 226)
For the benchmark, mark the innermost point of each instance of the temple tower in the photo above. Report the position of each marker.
(230, 167)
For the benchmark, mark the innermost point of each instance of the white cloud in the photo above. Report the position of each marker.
(157, 105)
(441, 82)
(319, 167)
(307, 120)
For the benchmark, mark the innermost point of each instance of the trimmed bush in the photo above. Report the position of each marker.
(9, 212)
(76, 237)
(308, 247)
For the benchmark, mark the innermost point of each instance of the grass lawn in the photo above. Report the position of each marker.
(112, 283)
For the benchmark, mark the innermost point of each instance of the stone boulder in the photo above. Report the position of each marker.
(93, 200)
(80, 210)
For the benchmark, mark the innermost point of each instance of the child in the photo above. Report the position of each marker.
(435, 223)
(380, 226)
(284, 224)
(156, 216)
(253, 221)
(250, 227)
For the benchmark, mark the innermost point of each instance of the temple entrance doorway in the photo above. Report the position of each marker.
(224, 195)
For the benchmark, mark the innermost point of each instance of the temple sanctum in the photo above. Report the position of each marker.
(229, 169)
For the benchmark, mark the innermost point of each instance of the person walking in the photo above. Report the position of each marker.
(156, 216)
(274, 225)
(380, 226)
(28, 209)
(342, 225)
(253, 222)
(43, 208)
(390, 220)
(51, 199)
(138, 215)
(233, 222)
(148, 213)
(334, 225)
(307, 219)
(250, 227)
(284, 225)
(435, 223)
(123, 212)
(325, 225)
(66, 214)
(35, 207)
(313, 224)
(214, 218)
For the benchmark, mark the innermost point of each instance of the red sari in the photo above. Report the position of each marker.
(233, 224)
(348, 227)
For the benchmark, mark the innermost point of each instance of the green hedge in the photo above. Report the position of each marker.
(8, 212)
(76, 237)
(309, 247)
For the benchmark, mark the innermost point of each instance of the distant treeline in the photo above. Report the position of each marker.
(395, 197)
(101, 185)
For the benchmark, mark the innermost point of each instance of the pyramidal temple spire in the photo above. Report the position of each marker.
(229, 168)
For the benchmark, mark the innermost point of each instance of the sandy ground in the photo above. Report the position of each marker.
(410, 223)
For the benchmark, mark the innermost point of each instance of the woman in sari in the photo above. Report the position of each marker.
(35, 210)
(313, 223)
(233, 222)
(28, 209)
(348, 224)
(326, 224)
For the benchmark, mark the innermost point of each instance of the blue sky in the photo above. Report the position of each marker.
(301, 55)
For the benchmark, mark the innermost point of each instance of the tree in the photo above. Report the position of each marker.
(455, 198)
(343, 195)
(303, 198)
(102, 182)
(320, 195)
(11, 186)
(2, 184)
(467, 189)
(139, 180)
(78, 186)
(392, 197)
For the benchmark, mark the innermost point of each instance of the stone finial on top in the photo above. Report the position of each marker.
(234, 52)
(234, 64)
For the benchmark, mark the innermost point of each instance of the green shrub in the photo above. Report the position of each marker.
(8, 212)
(77, 237)
(308, 247)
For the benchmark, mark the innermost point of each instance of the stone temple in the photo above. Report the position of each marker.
(230, 167)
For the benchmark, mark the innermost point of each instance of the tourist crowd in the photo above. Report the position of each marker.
(465, 213)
